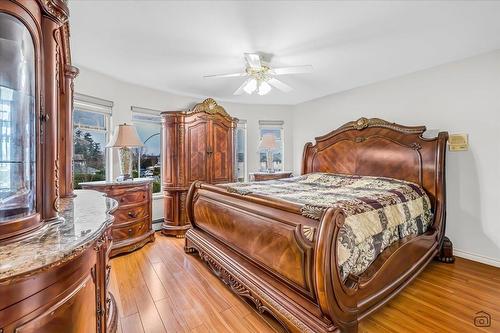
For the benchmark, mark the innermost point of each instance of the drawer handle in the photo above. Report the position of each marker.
(144, 196)
(132, 214)
(130, 231)
(122, 199)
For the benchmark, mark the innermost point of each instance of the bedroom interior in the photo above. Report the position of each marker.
(249, 166)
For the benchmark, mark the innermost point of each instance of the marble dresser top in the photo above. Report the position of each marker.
(82, 220)
(135, 181)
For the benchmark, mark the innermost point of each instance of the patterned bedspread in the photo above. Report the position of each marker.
(379, 211)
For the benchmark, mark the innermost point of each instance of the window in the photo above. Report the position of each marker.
(147, 161)
(241, 151)
(91, 117)
(275, 128)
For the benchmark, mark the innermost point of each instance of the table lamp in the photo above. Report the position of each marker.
(125, 137)
(268, 143)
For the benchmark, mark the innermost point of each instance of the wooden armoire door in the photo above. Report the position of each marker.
(197, 150)
(220, 152)
(198, 145)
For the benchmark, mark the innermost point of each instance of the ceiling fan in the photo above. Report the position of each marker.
(261, 77)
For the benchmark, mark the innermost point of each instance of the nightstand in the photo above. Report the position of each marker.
(261, 176)
(132, 226)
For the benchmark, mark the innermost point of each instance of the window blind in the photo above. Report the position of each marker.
(92, 104)
(274, 123)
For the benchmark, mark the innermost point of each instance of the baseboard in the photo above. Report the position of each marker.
(157, 224)
(476, 257)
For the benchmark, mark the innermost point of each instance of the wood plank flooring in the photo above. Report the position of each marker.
(161, 289)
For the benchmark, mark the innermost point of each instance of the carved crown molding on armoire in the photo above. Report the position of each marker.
(198, 144)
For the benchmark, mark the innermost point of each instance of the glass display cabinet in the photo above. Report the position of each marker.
(54, 246)
(35, 113)
(18, 139)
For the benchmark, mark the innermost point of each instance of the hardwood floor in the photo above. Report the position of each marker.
(161, 289)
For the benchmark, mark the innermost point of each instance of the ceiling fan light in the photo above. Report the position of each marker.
(250, 86)
(264, 88)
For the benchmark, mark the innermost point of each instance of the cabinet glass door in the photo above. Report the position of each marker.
(17, 120)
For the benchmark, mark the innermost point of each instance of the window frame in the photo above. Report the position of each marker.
(86, 103)
(242, 124)
(273, 124)
(157, 113)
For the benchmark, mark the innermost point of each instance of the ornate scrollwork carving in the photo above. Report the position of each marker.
(99, 243)
(363, 123)
(181, 130)
(259, 299)
(416, 146)
(56, 203)
(308, 232)
(67, 51)
(59, 72)
(313, 212)
(210, 106)
(98, 310)
(360, 139)
(56, 8)
(71, 71)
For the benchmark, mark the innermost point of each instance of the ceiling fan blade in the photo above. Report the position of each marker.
(241, 89)
(279, 85)
(253, 60)
(226, 75)
(292, 70)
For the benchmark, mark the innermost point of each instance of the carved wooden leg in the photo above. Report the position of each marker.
(188, 248)
(446, 253)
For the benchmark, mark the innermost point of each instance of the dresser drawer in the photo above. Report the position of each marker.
(123, 215)
(131, 231)
(132, 197)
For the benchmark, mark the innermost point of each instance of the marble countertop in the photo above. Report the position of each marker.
(81, 221)
(115, 182)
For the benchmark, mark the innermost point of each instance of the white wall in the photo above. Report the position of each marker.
(124, 95)
(460, 97)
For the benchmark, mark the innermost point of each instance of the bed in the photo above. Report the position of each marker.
(288, 246)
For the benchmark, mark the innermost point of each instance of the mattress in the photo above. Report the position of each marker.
(378, 211)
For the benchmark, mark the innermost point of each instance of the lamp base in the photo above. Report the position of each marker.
(125, 156)
(269, 161)
(123, 178)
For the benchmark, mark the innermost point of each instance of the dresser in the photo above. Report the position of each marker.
(132, 226)
(198, 145)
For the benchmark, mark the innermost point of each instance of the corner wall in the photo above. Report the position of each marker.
(460, 97)
(125, 94)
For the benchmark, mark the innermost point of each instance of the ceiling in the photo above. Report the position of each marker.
(170, 45)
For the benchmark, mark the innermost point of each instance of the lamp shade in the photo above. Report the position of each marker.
(268, 141)
(125, 136)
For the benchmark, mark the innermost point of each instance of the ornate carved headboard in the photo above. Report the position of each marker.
(375, 147)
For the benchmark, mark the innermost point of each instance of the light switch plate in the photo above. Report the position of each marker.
(458, 142)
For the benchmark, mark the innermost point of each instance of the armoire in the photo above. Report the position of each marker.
(197, 145)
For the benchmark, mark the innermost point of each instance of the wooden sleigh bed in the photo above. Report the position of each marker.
(285, 263)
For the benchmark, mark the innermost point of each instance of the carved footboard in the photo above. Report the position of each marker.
(285, 263)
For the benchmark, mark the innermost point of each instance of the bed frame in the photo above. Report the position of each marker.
(285, 263)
